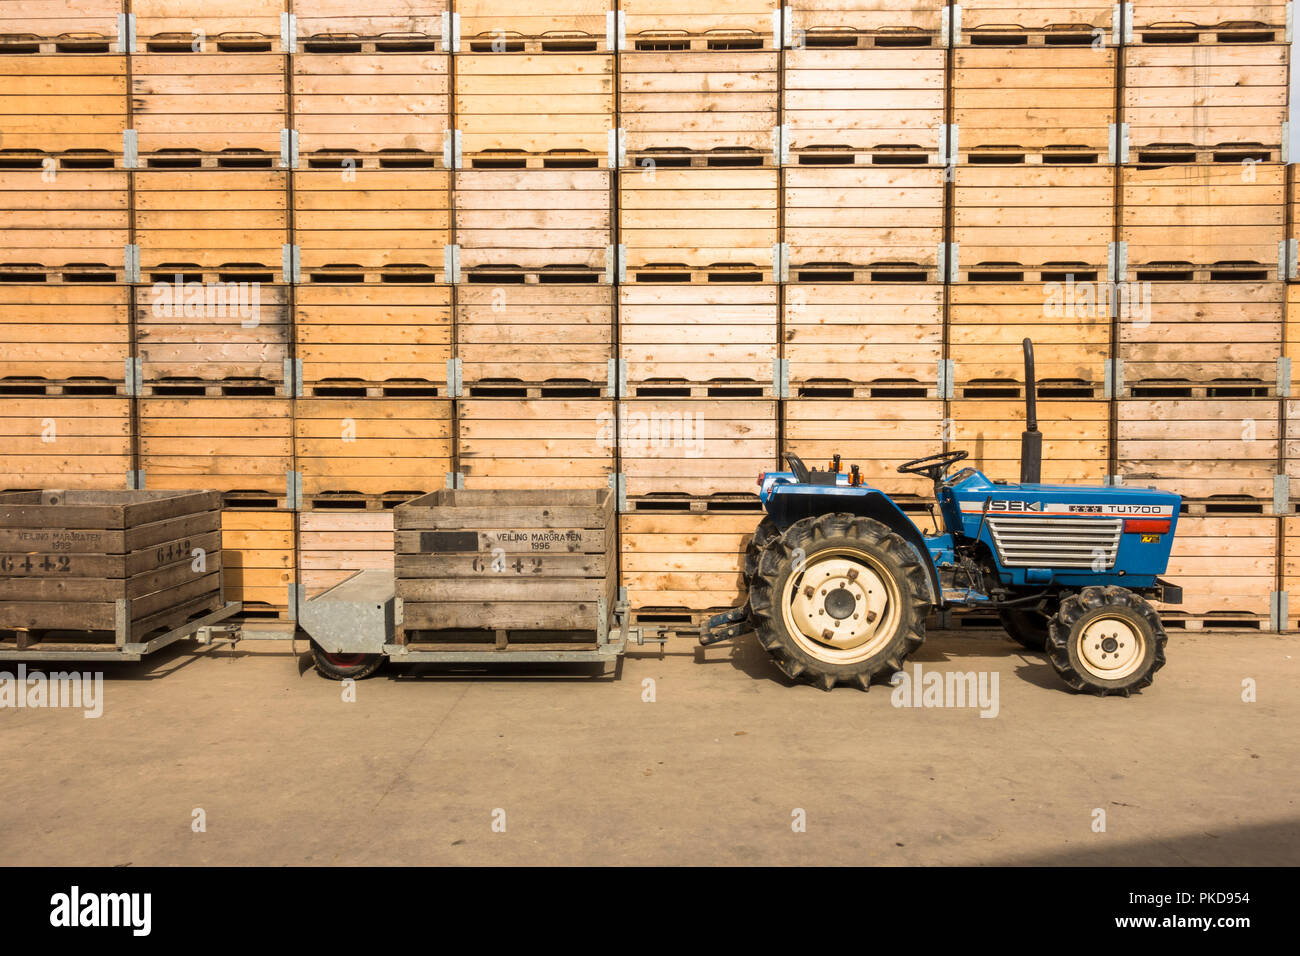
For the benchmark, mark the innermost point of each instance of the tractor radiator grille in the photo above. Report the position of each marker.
(1029, 542)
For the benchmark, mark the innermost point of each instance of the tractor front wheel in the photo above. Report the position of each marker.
(343, 666)
(839, 598)
(1106, 640)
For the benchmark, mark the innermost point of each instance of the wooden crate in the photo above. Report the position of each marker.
(1200, 448)
(876, 434)
(520, 569)
(121, 565)
(372, 225)
(882, 340)
(373, 340)
(72, 109)
(74, 227)
(534, 225)
(370, 452)
(541, 110)
(1039, 105)
(1187, 21)
(1203, 222)
(209, 109)
(1290, 556)
(1034, 23)
(368, 110)
(1202, 339)
(506, 26)
(212, 225)
(709, 109)
(841, 107)
(382, 26)
(552, 443)
(500, 331)
(63, 339)
(60, 26)
(257, 561)
(1076, 438)
(862, 23)
(334, 545)
(674, 26)
(1291, 448)
(1227, 567)
(707, 225)
(169, 26)
(864, 222)
(692, 449)
(688, 561)
(242, 447)
(698, 341)
(1205, 103)
(221, 339)
(1016, 224)
(65, 442)
(987, 322)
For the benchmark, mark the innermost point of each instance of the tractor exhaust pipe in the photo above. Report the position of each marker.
(1031, 439)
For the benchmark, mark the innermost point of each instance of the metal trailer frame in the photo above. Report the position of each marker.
(125, 649)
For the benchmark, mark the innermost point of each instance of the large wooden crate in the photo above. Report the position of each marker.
(60, 26)
(1290, 558)
(1015, 223)
(536, 340)
(365, 110)
(507, 26)
(1227, 567)
(863, 222)
(1201, 339)
(74, 224)
(1201, 448)
(880, 340)
(552, 443)
(1076, 437)
(257, 561)
(708, 109)
(65, 442)
(372, 225)
(1070, 329)
(1212, 102)
(373, 339)
(702, 341)
(1039, 105)
(863, 23)
(223, 25)
(1034, 23)
(212, 225)
(200, 109)
(708, 225)
(876, 434)
(242, 447)
(63, 339)
(841, 107)
(69, 108)
(690, 562)
(1207, 21)
(226, 339)
(674, 26)
(534, 225)
(334, 545)
(381, 26)
(370, 452)
(105, 567)
(686, 450)
(517, 109)
(514, 569)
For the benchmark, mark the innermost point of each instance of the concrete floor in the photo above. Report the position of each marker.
(711, 772)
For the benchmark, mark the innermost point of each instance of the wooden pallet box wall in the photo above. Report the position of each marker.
(505, 26)
(1290, 558)
(73, 225)
(66, 441)
(334, 545)
(534, 225)
(1185, 21)
(257, 560)
(706, 109)
(84, 26)
(699, 341)
(549, 443)
(382, 26)
(1076, 437)
(543, 110)
(63, 339)
(843, 107)
(1034, 23)
(861, 23)
(123, 565)
(373, 339)
(498, 329)
(1227, 567)
(1201, 448)
(372, 110)
(690, 561)
(1291, 446)
(226, 25)
(372, 225)
(63, 107)
(677, 26)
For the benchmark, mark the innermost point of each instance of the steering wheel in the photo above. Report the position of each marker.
(801, 472)
(932, 466)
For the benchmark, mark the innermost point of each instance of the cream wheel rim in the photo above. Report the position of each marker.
(842, 607)
(1111, 649)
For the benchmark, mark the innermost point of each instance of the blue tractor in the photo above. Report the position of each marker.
(841, 580)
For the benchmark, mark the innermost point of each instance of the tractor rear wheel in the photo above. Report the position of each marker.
(839, 599)
(763, 535)
(344, 666)
(1026, 626)
(1106, 640)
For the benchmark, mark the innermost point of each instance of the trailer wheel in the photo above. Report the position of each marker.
(763, 535)
(344, 666)
(839, 599)
(1026, 627)
(1106, 640)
